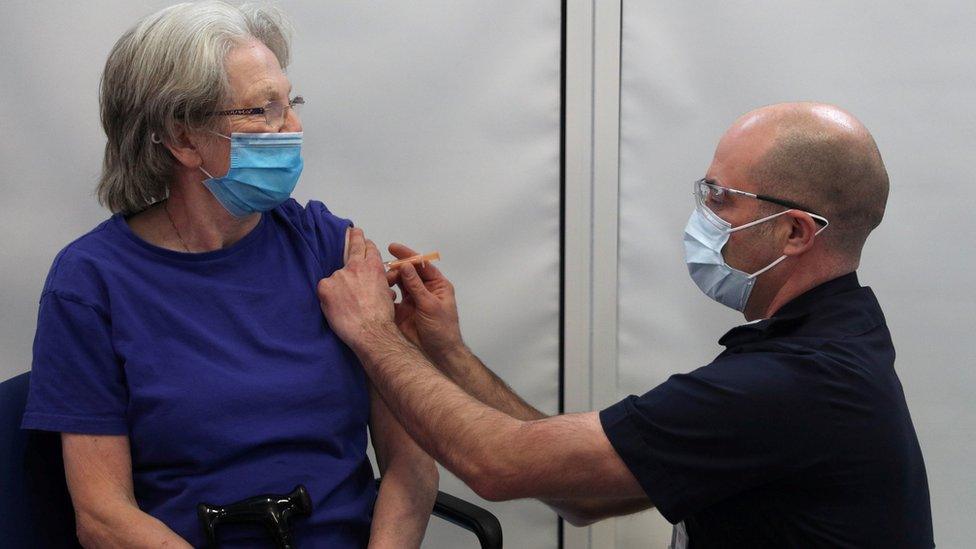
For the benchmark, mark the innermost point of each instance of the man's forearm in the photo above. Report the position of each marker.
(467, 370)
(455, 428)
(499, 456)
(583, 511)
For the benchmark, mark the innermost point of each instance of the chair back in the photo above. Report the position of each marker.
(35, 508)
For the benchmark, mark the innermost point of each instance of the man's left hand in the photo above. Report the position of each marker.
(356, 299)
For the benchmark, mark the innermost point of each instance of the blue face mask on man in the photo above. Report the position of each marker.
(264, 169)
(705, 235)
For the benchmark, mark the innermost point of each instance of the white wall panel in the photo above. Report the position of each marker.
(434, 123)
(907, 70)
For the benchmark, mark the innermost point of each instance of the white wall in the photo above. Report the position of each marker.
(908, 72)
(434, 123)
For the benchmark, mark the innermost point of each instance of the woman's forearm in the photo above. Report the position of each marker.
(98, 470)
(407, 493)
(124, 525)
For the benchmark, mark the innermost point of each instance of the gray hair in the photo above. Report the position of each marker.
(165, 72)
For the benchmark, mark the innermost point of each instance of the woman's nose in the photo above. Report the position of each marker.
(292, 121)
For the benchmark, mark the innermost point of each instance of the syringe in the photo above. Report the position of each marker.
(420, 258)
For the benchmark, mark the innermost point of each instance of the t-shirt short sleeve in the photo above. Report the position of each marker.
(331, 232)
(324, 231)
(701, 437)
(77, 384)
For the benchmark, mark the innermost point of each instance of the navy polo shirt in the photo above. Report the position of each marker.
(797, 435)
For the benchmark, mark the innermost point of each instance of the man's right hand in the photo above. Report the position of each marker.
(427, 314)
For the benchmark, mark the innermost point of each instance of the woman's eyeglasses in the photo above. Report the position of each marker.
(274, 111)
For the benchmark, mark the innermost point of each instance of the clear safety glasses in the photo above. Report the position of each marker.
(712, 197)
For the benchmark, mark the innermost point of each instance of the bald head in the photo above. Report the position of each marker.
(823, 158)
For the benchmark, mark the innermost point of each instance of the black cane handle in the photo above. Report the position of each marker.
(274, 511)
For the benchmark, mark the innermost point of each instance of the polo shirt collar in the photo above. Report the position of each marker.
(790, 317)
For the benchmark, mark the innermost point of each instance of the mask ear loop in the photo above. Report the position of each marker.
(819, 218)
(201, 167)
(782, 257)
(758, 221)
(727, 227)
(768, 267)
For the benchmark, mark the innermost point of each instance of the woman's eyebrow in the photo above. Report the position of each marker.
(262, 95)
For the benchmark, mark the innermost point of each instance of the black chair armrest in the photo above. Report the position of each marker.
(469, 516)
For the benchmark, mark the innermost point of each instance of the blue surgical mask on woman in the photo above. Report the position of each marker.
(264, 169)
(705, 235)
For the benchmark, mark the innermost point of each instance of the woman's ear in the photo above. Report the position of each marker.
(184, 147)
(803, 229)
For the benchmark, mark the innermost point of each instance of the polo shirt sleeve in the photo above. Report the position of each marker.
(723, 429)
(77, 385)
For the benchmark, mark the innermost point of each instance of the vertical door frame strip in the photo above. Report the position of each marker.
(591, 183)
(561, 524)
(577, 230)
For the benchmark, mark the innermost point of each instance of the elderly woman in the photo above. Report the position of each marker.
(180, 347)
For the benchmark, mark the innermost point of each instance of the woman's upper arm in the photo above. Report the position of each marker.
(390, 440)
(98, 469)
(384, 430)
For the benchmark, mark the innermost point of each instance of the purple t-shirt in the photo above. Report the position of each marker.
(219, 366)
